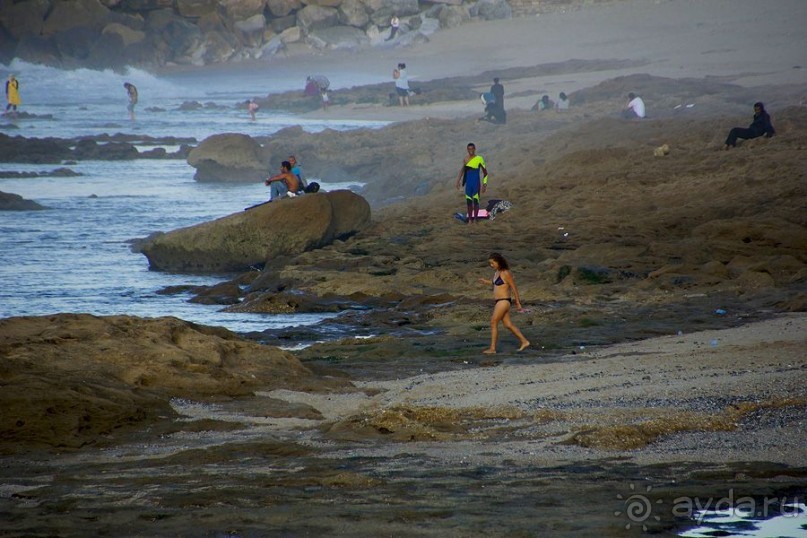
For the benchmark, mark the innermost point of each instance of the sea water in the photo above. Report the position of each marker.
(75, 256)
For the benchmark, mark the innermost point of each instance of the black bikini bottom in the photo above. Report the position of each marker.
(508, 299)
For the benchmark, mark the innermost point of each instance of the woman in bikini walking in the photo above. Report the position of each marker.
(503, 286)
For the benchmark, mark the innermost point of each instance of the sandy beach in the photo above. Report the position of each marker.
(667, 38)
(668, 330)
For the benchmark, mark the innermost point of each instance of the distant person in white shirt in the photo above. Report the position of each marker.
(394, 24)
(563, 102)
(634, 108)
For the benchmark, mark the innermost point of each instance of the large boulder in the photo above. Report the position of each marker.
(70, 14)
(74, 379)
(238, 10)
(259, 235)
(228, 157)
(76, 42)
(453, 16)
(492, 9)
(251, 30)
(353, 13)
(282, 8)
(313, 17)
(23, 18)
(128, 35)
(337, 38)
(36, 49)
(196, 8)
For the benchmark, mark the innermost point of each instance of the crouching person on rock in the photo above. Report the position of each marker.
(283, 184)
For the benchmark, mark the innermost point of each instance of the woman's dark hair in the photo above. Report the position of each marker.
(499, 259)
(562, 96)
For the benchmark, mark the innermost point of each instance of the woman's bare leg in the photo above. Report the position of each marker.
(513, 329)
(500, 310)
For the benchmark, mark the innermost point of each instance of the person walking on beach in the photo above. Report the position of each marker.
(12, 94)
(634, 108)
(474, 176)
(131, 91)
(504, 294)
(761, 126)
(394, 24)
(283, 183)
(401, 84)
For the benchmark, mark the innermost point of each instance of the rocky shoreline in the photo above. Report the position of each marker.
(707, 282)
(667, 295)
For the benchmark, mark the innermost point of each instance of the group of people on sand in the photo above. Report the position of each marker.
(635, 109)
(545, 103)
(760, 125)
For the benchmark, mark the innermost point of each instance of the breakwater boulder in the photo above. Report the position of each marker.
(150, 33)
(259, 234)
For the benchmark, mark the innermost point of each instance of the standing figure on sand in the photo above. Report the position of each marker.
(131, 92)
(497, 113)
(12, 94)
(504, 294)
(761, 126)
(401, 84)
(474, 176)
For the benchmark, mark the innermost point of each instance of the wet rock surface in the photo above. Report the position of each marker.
(18, 149)
(15, 202)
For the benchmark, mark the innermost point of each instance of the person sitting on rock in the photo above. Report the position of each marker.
(544, 103)
(635, 107)
(563, 102)
(283, 184)
(759, 127)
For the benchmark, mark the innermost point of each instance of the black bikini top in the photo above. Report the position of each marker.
(498, 280)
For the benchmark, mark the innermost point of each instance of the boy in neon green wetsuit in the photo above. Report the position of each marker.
(474, 176)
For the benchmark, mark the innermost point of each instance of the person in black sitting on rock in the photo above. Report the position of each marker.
(761, 126)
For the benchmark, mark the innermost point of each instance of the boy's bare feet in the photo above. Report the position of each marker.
(489, 351)
(525, 345)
